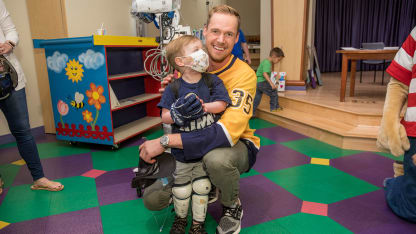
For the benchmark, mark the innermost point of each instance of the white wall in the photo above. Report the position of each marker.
(24, 53)
(84, 17)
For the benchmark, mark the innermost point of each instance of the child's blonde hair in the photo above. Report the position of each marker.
(175, 48)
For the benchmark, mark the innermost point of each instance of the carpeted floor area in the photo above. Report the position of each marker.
(298, 185)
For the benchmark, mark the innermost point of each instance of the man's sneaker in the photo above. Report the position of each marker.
(213, 194)
(197, 228)
(178, 226)
(230, 222)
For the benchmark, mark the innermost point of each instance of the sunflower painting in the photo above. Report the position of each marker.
(95, 98)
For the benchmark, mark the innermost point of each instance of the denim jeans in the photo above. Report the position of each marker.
(15, 110)
(400, 192)
(264, 87)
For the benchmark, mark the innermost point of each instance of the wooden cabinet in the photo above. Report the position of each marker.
(99, 90)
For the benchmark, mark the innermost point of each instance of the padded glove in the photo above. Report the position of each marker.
(392, 135)
(186, 108)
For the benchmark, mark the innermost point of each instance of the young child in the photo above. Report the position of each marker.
(264, 84)
(204, 97)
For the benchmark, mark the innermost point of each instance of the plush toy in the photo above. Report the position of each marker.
(399, 136)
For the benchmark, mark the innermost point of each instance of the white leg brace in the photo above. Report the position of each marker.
(201, 187)
(181, 196)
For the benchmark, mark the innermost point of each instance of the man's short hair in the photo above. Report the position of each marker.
(175, 48)
(276, 51)
(227, 10)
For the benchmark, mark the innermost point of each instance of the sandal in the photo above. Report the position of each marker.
(47, 186)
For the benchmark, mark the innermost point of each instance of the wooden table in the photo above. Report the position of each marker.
(355, 55)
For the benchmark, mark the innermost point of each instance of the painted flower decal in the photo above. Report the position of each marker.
(95, 96)
(62, 108)
(87, 116)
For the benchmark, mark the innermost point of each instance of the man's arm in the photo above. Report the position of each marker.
(246, 52)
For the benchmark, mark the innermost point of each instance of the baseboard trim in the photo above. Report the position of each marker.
(8, 138)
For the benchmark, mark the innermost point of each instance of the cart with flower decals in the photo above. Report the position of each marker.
(100, 92)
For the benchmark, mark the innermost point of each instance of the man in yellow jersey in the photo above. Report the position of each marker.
(229, 146)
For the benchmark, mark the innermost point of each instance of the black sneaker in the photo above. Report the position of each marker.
(178, 226)
(213, 194)
(230, 222)
(197, 228)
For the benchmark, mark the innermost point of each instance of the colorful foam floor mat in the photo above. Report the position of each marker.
(298, 185)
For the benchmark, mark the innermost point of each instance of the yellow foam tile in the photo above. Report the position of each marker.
(320, 161)
(3, 224)
(20, 162)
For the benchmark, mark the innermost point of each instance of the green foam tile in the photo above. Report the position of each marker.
(21, 203)
(8, 145)
(252, 172)
(256, 123)
(265, 141)
(317, 149)
(299, 223)
(133, 217)
(8, 172)
(124, 157)
(318, 183)
(153, 133)
(60, 149)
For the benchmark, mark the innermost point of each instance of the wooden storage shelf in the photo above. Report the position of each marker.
(134, 128)
(131, 101)
(111, 68)
(127, 75)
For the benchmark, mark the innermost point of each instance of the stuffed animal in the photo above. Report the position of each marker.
(398, 136)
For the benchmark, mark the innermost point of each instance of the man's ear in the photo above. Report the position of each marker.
(236, 38)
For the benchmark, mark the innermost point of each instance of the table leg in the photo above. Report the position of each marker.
(343, 77)
(352, 77)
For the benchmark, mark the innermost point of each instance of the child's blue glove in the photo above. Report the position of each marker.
(186, 108)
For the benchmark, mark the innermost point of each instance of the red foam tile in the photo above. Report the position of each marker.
(314, 208)
(93, 173)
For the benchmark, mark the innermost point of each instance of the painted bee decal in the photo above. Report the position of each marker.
(78, 102)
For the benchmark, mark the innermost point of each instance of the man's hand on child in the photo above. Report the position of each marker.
(169, 78)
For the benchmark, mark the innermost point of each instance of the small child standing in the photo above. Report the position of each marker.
(192, 102)
(264, 83)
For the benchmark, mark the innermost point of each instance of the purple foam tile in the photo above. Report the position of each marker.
(115, 186)
(276, 157)
(56, 168)
(262, 201)
(45, 138)
(368, 213)
(82, 221)
(9, 155)
(367, 166)
(279, 134)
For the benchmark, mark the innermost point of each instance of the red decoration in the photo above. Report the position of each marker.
(81, 132)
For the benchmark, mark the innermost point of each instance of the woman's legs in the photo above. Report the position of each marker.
(15, 110)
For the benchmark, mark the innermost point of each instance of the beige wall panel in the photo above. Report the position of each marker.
(24, 53)
(265, 29)
(249, 11)
(84, 17)
(47, 21)
(288, 33)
